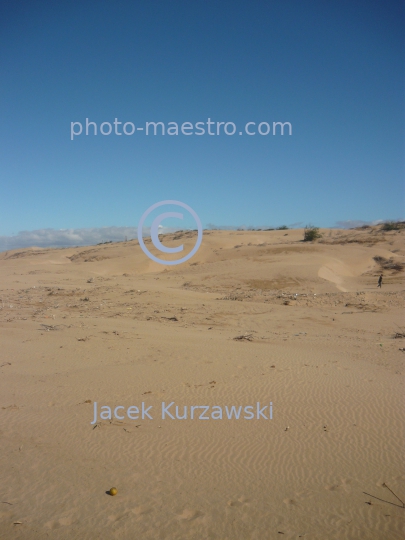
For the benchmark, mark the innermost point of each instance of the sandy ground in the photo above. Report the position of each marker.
(105, 324)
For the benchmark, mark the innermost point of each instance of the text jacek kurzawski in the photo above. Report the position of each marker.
(171, 411)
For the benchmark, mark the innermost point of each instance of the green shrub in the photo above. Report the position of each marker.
(390, 226)
(283, 228)
(311, 233)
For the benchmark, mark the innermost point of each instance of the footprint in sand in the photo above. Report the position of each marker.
(333, 487)
(337, 520)
(344, 483)
(304, 494)
(52, 525)
(189, 515)
(140, 510)
(62, 522)
(239, 502)
(114, 518)
(290, 502)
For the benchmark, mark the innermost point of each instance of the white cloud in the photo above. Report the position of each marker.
(296, 225)
(46, 238)
(212, 226)
(352, 223)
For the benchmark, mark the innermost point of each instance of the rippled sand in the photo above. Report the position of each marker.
(105, 324)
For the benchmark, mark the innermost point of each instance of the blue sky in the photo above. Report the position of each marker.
(333, 69)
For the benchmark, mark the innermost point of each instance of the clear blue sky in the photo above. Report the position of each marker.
(333, 68)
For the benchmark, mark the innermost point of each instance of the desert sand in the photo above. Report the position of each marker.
(254, 316)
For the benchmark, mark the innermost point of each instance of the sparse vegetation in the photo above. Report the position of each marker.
(283, 228)
(311, 233)
(392, 226)
(389, 264)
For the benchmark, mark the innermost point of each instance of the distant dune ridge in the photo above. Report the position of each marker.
(253, 317)
(46, 238)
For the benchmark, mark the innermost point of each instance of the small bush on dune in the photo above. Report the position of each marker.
(282, 228)
(391, 226)
(389, 264)
(311, 233)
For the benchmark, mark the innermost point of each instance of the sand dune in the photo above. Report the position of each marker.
(106, 324)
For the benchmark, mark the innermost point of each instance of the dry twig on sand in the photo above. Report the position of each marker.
(388, 502)
(49, 327)
(396, 496)
(247, 337)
